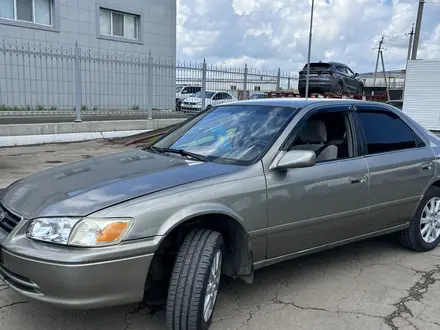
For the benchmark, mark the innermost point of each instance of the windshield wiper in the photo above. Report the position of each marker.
(181, 152)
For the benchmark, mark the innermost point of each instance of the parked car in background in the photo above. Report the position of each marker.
(396, 103)
(257, 96)
(232, 189)
(330, 77)
(183, 91)
(212, 98)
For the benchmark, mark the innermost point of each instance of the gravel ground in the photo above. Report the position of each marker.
(375, 284)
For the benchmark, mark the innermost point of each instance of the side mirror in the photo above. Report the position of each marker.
(356, 74)
(294, 159)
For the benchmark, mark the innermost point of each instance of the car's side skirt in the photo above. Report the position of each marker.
(269, 262)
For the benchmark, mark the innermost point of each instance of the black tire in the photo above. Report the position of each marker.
(178, 105)
(411, 237)
(360, 90)
(189, 280)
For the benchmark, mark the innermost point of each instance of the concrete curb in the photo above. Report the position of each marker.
(24, 140)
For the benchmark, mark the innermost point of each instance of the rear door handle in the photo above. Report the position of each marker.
(357, 180)
(427, 167)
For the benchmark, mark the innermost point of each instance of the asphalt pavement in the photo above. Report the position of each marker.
(369, 285)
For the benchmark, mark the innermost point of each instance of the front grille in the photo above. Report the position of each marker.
(9, 221)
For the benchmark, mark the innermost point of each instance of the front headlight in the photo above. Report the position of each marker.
(84, 232)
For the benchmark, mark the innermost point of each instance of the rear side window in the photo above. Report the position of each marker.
(385, 132)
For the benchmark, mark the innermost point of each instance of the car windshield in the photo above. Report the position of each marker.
(208, 95)
(178, 89)
(237, 134)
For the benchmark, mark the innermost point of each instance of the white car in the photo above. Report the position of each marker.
(212, 98)
(183, 91)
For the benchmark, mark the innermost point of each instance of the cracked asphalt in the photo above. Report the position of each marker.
(374, 284)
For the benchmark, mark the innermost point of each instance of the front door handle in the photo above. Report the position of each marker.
(427, 167)
(357, 180)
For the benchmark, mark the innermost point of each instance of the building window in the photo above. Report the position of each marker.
(35, 11)
(257, 88)
(117, 24)
(233, 87)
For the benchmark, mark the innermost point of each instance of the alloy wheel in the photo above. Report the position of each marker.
(430, 221)
(212, 287)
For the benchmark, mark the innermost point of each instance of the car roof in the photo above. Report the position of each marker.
(330, 63)
(299, 102)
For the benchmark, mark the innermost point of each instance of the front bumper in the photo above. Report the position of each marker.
(101, 282)
(190, 107)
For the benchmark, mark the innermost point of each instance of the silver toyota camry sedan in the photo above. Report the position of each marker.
(235, 188)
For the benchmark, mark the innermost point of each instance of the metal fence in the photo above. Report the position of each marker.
(46, 80)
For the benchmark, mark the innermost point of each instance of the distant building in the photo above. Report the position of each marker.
(395, 78)
(37, 44)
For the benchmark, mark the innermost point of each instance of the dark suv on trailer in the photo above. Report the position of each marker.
(330, 77)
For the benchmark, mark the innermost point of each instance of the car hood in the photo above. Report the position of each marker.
(84, 187)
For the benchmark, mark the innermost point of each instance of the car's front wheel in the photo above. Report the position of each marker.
(423, 233)
(195, 280)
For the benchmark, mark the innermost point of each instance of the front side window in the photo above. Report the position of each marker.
(351, 73)
(208, 95)
(113, 23)
(35, 11)
(385, 131)
(328, 135)
(230, 134)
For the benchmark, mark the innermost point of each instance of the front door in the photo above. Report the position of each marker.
(326, 203)
(401, 165)
(352, 80)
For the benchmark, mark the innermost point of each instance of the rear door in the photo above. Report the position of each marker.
(348, 84)
(400, 164)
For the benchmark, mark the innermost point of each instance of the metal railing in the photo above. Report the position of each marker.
(46, 80)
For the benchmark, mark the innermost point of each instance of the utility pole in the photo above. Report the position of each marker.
(385, 75)
(310, 49)
(418, 28)
(411, 35)
(379, 49)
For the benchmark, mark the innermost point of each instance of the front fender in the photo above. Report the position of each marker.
(197, 210)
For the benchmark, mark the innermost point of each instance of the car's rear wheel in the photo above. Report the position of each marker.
(360, 89)
(195, 280)
(339, 88)
(423, 233)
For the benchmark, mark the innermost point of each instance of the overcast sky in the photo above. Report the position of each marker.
(274, 33)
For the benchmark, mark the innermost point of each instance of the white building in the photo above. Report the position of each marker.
(37, 49)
